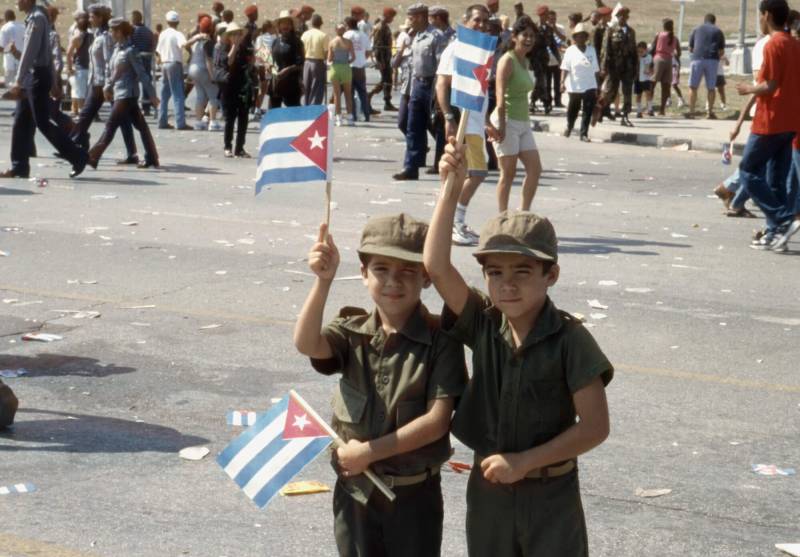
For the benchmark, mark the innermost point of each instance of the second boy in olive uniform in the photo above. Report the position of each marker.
(535, 370)
(400, 376)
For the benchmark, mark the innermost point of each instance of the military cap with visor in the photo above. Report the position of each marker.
(398, 236)
(520, 232)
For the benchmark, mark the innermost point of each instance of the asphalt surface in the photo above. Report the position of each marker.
(197, 301)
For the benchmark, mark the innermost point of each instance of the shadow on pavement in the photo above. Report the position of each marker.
(59, 365)
(12, 191)
(191, 169)
(351, 159)
(595, 246)
(119, 181)
(83, 433)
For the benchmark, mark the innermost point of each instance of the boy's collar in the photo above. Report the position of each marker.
(548, 322)
(416, 327)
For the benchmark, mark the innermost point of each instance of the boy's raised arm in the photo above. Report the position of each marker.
(323, 261)
(436, 256)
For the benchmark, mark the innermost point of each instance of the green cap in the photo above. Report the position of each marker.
(519, 232)
(399, 236)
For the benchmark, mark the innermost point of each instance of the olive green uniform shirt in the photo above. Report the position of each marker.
(387, 382)
(519, 398)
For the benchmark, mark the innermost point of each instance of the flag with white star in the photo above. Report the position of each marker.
(295, 146)
(270, 453)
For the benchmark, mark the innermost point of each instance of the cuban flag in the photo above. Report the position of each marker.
(295, 146)
(472, 63)
(270, 453)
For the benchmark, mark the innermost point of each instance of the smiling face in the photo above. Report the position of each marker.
(517, 284)
(524, 40)
(393, 284)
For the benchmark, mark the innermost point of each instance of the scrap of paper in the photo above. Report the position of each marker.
(304, 488)
(17, 488)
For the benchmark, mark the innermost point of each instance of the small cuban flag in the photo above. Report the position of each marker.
(270, 453)
(295, 146)
(472, 64)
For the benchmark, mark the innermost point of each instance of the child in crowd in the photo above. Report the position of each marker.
(723, 62)
(676, 81)
(643, 85)
(400, 376)
(535, 370)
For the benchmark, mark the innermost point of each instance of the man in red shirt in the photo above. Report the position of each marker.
(767, 158)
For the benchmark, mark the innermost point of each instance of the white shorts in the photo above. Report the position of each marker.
(519, 138)
(10, 65)
(80, 84)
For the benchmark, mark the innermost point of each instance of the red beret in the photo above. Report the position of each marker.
(252, 9)
(542, 10)
(356, 10)
(604, 10)
(201, 15)
(205, 25)
(389, 12)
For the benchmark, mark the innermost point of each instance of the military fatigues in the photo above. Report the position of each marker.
(426, 49)
(620, 62)
(519, 398)
(387, 382)
(544, 42)
(382, 53)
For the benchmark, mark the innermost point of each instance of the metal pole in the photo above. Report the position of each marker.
(742, 23)
(339, 12)
(680, 21)
(741, 62)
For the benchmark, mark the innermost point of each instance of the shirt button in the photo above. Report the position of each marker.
(385, 379)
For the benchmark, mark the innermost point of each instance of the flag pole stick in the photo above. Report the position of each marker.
(462, 130)
(340, 443)
(327, 209)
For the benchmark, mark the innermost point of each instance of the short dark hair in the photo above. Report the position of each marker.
(351, 22)
(316, 20)
(523, 23)
(227, 16)
(779, 10)
(641, 44)
(710, 18)
(10, 15)
(471, 8)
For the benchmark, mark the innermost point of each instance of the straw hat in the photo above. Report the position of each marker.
(580, 28)
(233, 28)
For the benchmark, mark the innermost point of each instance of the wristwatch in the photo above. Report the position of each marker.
(449, 116)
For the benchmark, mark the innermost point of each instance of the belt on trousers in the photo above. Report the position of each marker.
(552, 471)
(424, 79)
(403, 481)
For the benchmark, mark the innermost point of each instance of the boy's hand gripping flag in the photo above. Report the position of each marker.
(281, 443)
(295, 146)
(472, 64)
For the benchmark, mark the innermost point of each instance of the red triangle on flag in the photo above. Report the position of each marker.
(314, 142)
(301, 423)
(482, 74)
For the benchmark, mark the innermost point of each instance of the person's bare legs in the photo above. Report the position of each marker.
(337, 101)
(721, 93)
(712, 96)
(665, 87)
(508, 170)
(348, 98)
(692, 98)
(470, 187)
(532, 163)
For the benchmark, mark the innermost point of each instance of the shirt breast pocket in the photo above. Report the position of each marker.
(349, 405)
(551, 400)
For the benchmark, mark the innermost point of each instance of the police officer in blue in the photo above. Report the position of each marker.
(32, 90)
(426, 49)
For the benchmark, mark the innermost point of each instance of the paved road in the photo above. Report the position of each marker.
(703, 332)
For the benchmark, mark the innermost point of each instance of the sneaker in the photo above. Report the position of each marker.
(205, 118)
(469, 232)
(722, 106)
(228, 154)
(639, 114)
(681, 103)
(351, 122)
(461, 237)
(214, 126)
(782, 241)
(243, 155)
(651, 113)
(200, 126)
(764, 242)
(338, 120)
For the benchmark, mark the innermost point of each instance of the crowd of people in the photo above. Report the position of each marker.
(237, 70)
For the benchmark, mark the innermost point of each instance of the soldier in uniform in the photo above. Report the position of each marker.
(33, 89)
(439, 18)
(399, 380)
(426, 48)
(382, 54)
(619, 63)
(544, 42)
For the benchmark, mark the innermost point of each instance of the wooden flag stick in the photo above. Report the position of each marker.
(327, 209)
(340, 443)
(462, 131)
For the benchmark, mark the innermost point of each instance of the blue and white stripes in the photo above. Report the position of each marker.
(471, 67)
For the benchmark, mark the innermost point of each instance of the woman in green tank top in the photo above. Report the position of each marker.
(510, 127)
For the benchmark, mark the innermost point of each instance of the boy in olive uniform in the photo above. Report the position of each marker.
(400, 377)
(535, 369)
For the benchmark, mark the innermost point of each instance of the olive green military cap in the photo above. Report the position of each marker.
(399, 236)
(520, 232)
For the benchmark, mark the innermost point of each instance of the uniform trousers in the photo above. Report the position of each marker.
(32, 112)
(411, 526)
(611, 87)
(314, 81)
(402, 114)
(385, 84)
(125, 111)
(419, 115)
(80, 131)
(588, 100)
(531, 518)
(172, 86)
(554, 83)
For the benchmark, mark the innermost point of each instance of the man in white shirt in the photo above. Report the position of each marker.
(359, 64)
(579, 70)
(169, 52)
(12, 40)
(477, 169)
